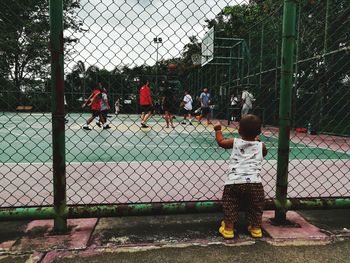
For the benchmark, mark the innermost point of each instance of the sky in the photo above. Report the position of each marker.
(121, 32)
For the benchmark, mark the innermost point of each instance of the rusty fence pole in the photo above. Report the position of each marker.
(58, 125)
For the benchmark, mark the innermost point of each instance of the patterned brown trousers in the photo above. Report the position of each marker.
(250, 197)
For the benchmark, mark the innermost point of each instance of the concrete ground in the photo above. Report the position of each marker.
(175, 238)
(259, 252)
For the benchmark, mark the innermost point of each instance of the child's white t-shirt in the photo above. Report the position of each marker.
(245, 162)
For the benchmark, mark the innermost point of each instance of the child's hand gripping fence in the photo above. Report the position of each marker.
(123, 44)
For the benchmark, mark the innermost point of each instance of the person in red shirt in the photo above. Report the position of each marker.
(146, 104)
(94, 102)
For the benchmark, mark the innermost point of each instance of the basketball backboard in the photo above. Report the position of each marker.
(208, 47)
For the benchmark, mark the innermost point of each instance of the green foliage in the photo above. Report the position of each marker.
(24, 31)
(320, 83)
(319, 86)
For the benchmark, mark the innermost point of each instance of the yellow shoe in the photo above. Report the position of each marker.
(228, 234)
(222, 227)
(255, 232)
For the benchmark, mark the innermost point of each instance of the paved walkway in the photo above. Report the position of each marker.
(178, 238)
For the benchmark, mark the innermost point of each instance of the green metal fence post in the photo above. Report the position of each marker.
(58, 133)
(261, 55)
(249, 49)
(242, 57)
(288, 43)
(228, 93)
(295, 82)
(325, 86)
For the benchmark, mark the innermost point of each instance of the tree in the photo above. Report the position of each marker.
(190, 49)
(24, 31)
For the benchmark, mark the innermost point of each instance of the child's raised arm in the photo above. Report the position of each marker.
(224, 143)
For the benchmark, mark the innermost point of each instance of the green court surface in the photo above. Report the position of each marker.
(26, 138)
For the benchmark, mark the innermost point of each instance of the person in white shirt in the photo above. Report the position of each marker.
(247, 102)
(234, 105)
(243, 181)
(117, 105)
(234, 101)
(65, 109)
(187, 107)
(104, 109)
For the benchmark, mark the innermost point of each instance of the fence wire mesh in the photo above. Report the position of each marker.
(124, 44)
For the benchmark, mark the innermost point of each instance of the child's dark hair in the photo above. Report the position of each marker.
(250, 126)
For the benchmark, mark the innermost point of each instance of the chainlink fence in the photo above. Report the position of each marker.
(229, 47)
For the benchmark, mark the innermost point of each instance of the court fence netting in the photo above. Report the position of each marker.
(292, 57)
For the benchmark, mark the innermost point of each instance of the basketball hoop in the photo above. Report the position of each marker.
(196, 59)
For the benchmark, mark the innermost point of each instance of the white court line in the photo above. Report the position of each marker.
(161, 135)
(168, 161)
(154, 146)
(117, 162)
(136, 145)
(18, 114)
(297, 147)
(28, 138)
(177, 146)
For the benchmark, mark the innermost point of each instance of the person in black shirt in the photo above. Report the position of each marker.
(168, 105)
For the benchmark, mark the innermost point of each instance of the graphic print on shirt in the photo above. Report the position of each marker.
(245, 162)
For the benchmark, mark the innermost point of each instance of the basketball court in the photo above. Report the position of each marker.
(127, 164)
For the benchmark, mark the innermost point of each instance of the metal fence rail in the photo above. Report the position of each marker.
(292, 57)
